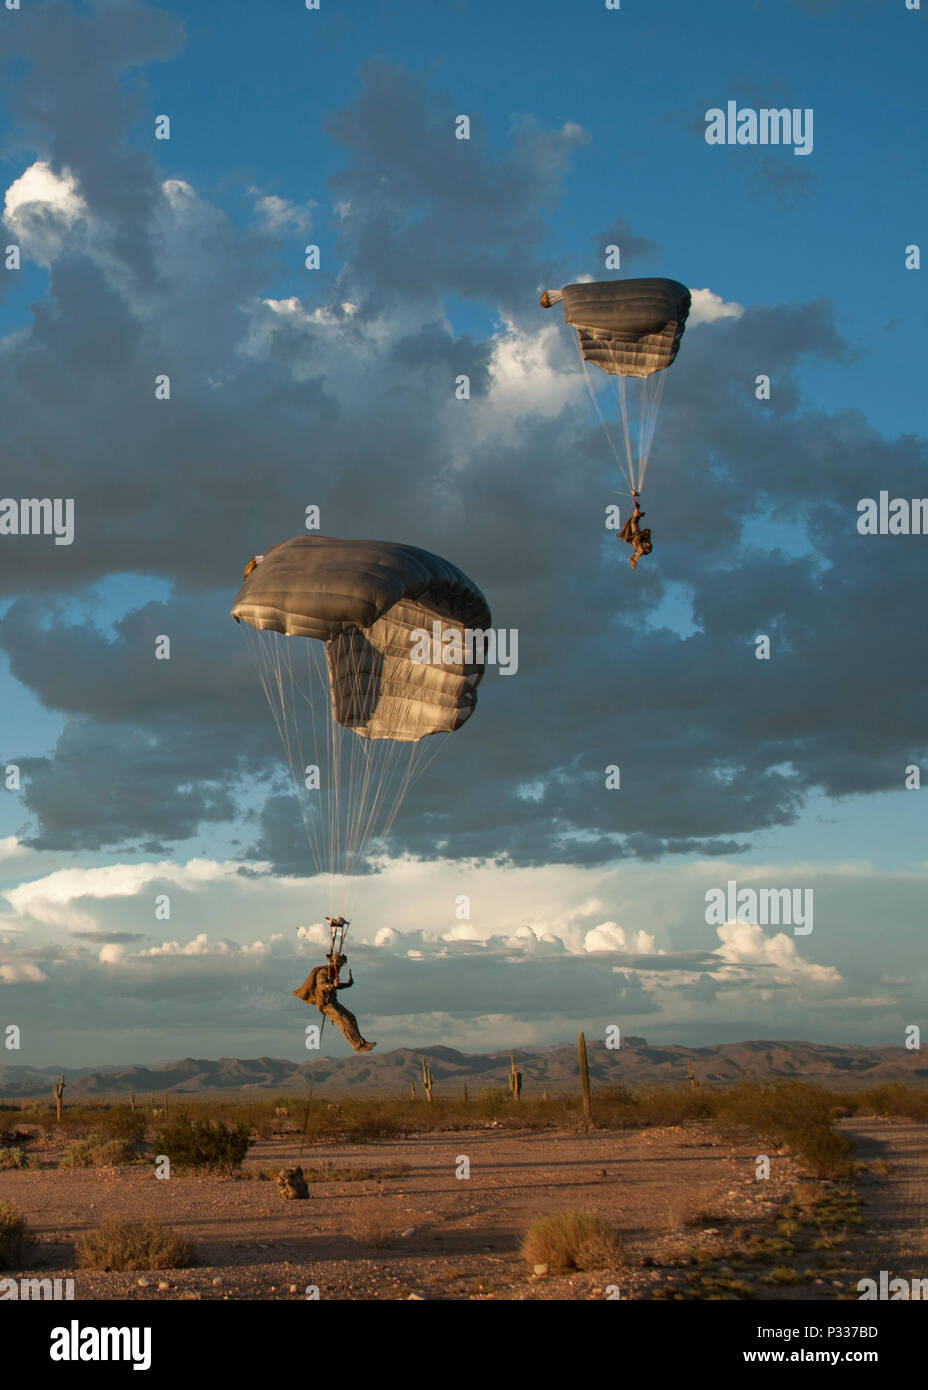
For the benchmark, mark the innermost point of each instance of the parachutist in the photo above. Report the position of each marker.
(636, 535)
(320, 988)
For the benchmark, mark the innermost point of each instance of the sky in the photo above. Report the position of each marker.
(518, 898)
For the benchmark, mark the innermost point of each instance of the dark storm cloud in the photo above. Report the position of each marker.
(429, 212)
(138, 764)
(274, 408)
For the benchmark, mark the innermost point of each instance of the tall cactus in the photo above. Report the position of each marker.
(427, 1079)
(585, 1082)
(59, 1094)
(515, 1080)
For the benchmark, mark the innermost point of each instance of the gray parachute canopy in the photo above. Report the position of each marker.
(627, 327)
(364, 599)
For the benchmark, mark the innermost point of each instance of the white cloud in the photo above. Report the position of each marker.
(744, 944)
(21, 973)
(609, 936)
(707, 307)
(52, 898)
(41, 208)
(278, 214)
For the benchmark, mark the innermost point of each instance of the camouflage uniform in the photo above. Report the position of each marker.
(637, 536)
(319, 988)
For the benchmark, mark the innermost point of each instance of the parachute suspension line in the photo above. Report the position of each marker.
(363, 782)
(266, 656)
(627, 466)
(633, 470)
(652, 393)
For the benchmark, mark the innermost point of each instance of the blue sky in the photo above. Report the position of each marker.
(274, 101)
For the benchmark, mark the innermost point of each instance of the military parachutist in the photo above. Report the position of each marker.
(635, 534)
(322, 984)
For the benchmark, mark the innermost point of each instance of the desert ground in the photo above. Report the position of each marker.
(392, 1220)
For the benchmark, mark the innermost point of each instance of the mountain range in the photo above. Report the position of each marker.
(636, 1064)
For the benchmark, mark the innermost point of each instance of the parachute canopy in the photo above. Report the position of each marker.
(627, 327)
(364, 599)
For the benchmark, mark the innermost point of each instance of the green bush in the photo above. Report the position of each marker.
(13, 1158)
(122, 1123)
(114, 1151)
(78, 1155)
(95, 1152)
(192, 1143)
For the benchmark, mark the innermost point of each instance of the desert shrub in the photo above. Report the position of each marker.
(13, 1158)
(571, 1240)
(118, 1244)
(191, 1143)
(113, 1151)
(373, 1231)
(493, 1098)
(120, 1122)
(95, 1151)
(893, 1098)
(79, 1154)
(795, 1114)
(828, 1154)
(16, 1240)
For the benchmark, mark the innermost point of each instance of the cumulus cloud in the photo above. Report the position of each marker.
(53, 898)
(745, 943)
(21, 973)
(609, 936)
(41, 209)
(708, 307)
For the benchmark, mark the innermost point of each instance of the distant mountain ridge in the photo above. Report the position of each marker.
(636, 1063)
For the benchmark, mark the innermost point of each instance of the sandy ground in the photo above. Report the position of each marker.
(896, 1239)
(415, 1229)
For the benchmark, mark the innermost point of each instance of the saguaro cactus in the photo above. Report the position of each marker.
(693, 1082)
(515, 1080)
(132, 1098)
(59, 1095)
(427, 1078)
(585, 1082)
